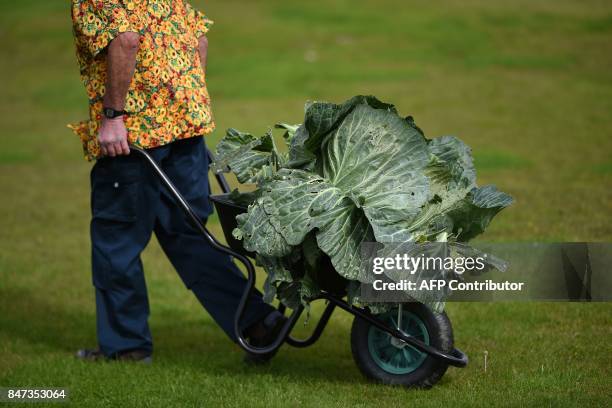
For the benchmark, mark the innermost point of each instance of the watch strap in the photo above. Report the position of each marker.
(111, 113)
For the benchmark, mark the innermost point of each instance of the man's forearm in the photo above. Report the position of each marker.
(203, 51)
(121, 61)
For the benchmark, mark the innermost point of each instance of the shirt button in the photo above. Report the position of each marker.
(116, 185)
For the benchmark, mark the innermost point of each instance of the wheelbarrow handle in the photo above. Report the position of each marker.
(201, 226)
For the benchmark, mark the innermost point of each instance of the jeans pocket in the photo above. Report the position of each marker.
(116, 190)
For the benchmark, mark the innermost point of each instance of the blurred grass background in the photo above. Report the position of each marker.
(527, 84)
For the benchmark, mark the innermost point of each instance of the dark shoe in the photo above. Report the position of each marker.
(263, 334)
(139, 356)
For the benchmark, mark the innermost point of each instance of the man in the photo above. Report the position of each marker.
(143, 66)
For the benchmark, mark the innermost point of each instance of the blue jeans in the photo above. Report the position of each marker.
(128, 204)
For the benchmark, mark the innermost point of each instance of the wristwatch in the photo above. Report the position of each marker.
(110, 113)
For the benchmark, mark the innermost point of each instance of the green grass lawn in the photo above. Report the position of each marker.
(527, 84)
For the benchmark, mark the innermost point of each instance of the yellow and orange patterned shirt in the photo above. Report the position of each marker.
(167, 99)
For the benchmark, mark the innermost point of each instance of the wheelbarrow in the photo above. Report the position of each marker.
(410, 345)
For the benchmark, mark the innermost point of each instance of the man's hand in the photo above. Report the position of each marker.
(203, 51)
(113, 137)
(121, 59)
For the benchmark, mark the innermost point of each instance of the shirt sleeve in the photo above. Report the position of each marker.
(197, 21)
(97, 22)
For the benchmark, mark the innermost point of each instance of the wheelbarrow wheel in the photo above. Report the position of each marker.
(386, 359)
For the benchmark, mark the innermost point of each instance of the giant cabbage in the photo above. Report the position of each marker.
(351, 173)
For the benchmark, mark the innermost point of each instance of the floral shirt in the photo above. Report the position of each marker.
(167, 99)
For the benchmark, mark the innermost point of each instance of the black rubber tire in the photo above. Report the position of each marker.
(428, 373)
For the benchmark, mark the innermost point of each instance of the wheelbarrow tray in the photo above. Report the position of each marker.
(326, 276)
(227, 211)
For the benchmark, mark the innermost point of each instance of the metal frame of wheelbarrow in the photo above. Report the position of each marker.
(455, 358)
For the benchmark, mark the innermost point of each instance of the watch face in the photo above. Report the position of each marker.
(111, 113)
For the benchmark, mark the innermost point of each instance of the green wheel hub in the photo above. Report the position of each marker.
(393, 355)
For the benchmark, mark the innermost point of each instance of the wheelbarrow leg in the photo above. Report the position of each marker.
(318, 331)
